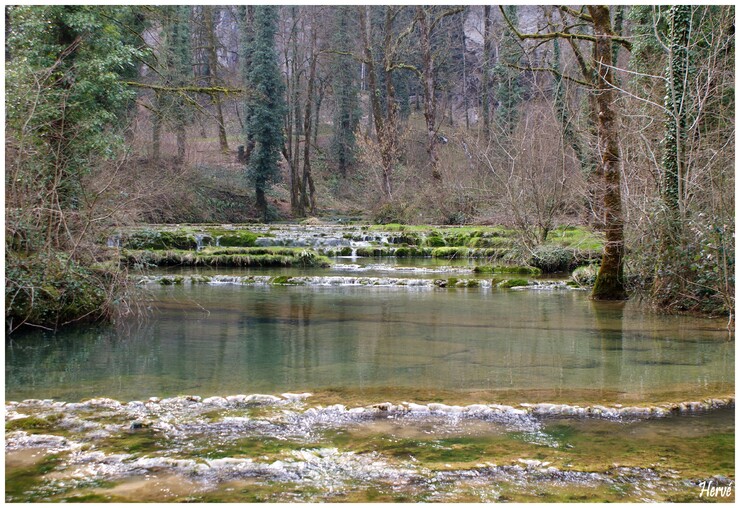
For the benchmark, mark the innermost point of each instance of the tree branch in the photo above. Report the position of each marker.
(548, 69)
(561, 35)
(578, 14)
(208, 90)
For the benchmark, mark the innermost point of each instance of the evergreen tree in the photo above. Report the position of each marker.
(346, 105)
(679, 21)
(509, 90)
(265, 104)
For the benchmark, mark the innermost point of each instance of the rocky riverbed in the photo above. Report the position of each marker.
(284, 448)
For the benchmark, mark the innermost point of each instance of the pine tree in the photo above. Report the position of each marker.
(265, 104)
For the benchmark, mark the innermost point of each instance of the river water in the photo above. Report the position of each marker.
(225, 339)
(355, 344)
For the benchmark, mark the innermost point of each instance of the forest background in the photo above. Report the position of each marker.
(616, 118)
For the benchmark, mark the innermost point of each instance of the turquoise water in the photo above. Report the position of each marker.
(228, 339)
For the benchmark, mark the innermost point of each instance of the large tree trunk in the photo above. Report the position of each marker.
(384, 128)
(293, 119)
(610, 279)
(430, 100)
(669, 274)
(261, 202)
(307, 196)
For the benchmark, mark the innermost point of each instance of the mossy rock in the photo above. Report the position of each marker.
(434, 240)
(283, 280)
(30, 423)
(405, 239)
(161, 240)
(511, 283)
(235, 238)
(517, 269)
(450, 252)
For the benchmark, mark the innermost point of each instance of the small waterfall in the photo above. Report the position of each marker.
(199, 241)
(218, 241)
(354, 253)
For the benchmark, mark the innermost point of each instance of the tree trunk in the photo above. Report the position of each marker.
(609, 283)
(383, 127)
(213, 75)
(307, 196)
(669, 270)
(465, 75)
(317, 111)
(430, 100)
(293, 119)
(485, 72)
(157, 128)
(181, 139)
(261, 202)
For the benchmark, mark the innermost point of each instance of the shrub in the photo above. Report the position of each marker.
(552, 258)
(51, 290)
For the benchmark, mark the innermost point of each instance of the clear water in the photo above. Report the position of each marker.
(221, 340)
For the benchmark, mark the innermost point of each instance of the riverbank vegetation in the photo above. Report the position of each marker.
(554, 137)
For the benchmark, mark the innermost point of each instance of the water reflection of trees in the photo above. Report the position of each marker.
(268, 339)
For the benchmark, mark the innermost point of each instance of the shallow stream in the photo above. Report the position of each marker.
(617, 374)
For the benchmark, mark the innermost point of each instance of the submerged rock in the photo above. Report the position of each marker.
(296, 396)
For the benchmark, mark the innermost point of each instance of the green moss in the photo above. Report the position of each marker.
(252, 447)
(510, 283)
(283, 279)
(524, 270)
(434, 241)
(52, 289)
(450, 252)
(158, 240)
(23, 484)
(234, 238)
(451, 282)
(239, 257)
(608, 287)
(140, 441)
(30, 423)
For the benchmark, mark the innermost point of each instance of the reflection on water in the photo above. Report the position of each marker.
(230, 339)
